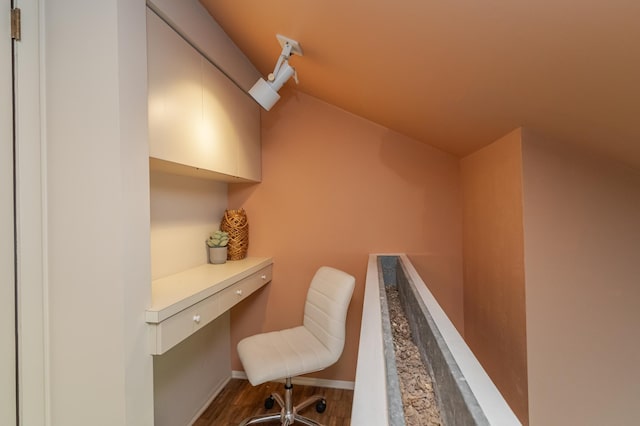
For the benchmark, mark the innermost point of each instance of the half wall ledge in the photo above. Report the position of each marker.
(465, 393)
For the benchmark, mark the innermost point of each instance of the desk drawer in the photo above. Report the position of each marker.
(243, 288)
(168, 333)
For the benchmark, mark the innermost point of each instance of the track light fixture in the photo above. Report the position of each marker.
(266, 92)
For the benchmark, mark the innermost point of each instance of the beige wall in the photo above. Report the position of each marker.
(184, 210)
(97, 224)
(187, 376)
(335, 188)
(582, 245)
(494, 288)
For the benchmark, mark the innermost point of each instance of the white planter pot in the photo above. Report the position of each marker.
(217, 255)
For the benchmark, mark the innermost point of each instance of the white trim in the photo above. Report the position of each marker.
(31, 217)
(306, 381)
(369, 396)
(235, 374)
(214, 394)
(7, 220)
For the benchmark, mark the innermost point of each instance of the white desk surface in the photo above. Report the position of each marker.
(172, 294)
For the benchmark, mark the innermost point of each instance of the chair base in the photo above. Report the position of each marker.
(288, 413)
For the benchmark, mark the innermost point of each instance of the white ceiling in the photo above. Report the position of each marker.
(460, 74)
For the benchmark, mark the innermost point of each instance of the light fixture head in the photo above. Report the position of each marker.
(266, 92)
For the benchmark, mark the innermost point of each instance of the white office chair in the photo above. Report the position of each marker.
(313, 346)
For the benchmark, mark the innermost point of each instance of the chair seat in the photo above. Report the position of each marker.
(284, 353)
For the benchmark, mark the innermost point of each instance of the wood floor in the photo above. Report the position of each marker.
(239, 400)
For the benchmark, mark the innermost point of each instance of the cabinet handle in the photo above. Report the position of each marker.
(239, 292)
(264, 277)
(196, 319)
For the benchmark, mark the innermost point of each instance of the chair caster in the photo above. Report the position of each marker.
(321, 406)
(269, 402)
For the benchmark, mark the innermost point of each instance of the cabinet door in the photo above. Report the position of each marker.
(197, 116)
(249, 145)
(175, 96)
(221, 115)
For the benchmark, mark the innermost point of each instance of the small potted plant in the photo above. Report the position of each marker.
(217, 244)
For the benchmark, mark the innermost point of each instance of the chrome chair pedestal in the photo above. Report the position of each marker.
(288, 413)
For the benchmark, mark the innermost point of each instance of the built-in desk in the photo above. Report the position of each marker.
(187, 301)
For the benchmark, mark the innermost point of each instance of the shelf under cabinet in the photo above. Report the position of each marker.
(164, 166)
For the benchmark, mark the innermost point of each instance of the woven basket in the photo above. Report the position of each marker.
(235, 223)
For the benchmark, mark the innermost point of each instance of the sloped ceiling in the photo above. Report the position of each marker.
(460, 74)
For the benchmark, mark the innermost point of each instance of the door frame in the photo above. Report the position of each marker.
(30, 195)
(8, 358)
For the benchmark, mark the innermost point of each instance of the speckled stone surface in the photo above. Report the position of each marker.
(457, 403)
(389, 265)
(418, 396)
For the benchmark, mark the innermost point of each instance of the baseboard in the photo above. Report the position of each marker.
(215, 393)
(306, 381)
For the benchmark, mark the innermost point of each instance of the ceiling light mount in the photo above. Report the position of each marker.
(266, 93)
(295, 46)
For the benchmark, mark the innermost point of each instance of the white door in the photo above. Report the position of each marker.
(7, 238)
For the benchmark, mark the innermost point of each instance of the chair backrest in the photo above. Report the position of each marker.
(325, 311)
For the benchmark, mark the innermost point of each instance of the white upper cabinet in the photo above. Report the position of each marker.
(231, 115)
(175, 95)
(250, 151)
(200, 122)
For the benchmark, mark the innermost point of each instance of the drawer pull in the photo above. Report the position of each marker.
(239, 292)
(196, 319)
(264, 277)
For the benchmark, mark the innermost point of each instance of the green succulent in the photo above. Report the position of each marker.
(218, 239)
